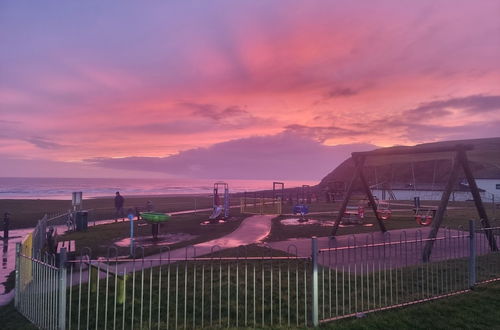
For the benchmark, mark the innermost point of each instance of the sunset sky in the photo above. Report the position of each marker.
(238, 89)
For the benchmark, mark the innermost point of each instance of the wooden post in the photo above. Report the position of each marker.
(343, 207)
(438, 219)
(477, 200)
(368, 193)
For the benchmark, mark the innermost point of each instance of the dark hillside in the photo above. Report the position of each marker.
(419, 171)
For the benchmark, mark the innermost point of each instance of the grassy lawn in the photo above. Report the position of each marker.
(25, 213)
(475, 310)
(458, 215)
(228, 292)
(197, 294)
(12, 320)
(218, 280)
(100, 238)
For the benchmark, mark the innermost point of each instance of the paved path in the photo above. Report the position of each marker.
(252, 230)
(395, 248)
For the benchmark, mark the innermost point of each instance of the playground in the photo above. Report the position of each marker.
(279, 257)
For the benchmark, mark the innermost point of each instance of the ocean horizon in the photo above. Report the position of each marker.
(61, 188)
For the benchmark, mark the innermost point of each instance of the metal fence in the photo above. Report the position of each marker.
(358, 279)
(41, 288)
(325, 283)
(189, 292)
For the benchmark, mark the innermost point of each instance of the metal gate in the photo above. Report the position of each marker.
(40, 287)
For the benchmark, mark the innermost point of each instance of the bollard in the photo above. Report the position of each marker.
(315, 294)
(472, 254)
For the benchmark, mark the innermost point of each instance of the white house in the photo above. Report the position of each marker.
(489, 181)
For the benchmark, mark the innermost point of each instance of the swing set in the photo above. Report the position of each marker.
(425, 217)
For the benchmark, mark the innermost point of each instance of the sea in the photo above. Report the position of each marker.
(61, 188)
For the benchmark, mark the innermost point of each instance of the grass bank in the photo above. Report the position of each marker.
(475, 310)
(26, 212)
(458, 215)
(100, 238)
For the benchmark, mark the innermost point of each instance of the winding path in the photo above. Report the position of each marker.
(251, 230)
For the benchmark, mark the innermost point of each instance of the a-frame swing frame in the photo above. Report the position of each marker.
(460, 161)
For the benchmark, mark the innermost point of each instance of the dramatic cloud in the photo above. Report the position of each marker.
(341, 92)
(473, 104)
(454, 118)
(321, 133)
(267, 157)
(92, 80)
(42, 143)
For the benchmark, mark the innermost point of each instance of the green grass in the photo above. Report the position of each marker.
(12, 319)
(454, 218)
(475, 310)
(187, 286)
(427, 315)
(25, 213)
(184, 289)
(101, 237)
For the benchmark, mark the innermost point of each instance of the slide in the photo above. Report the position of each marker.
(217, 212)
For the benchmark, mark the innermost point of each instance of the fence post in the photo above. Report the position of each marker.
(314, 286)
(472, 254)
(18, 275)
(62, 290)
(494, 207)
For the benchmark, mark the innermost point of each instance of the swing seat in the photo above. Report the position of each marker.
(384, 214)
(351, 218)
(423, 220)
(354, 217)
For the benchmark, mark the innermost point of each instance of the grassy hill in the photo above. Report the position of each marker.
(420, 168)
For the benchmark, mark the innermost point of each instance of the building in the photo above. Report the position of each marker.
(489, 180)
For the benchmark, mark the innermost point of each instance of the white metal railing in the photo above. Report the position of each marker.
(336, 281)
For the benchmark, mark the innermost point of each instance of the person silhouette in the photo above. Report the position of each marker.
(119, 202)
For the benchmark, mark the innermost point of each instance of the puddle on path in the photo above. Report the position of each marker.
(163, 240)
(297, 222)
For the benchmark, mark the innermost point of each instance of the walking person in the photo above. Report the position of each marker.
(119, 201)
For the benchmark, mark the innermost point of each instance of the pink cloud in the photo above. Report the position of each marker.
(200, 75)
